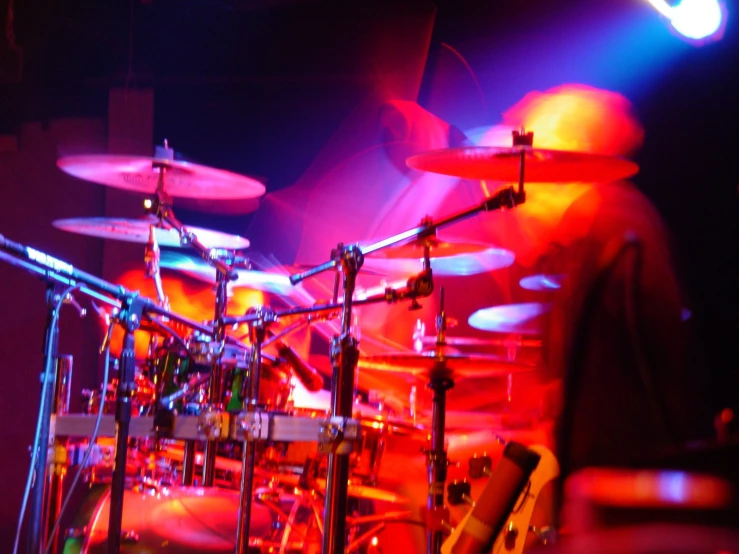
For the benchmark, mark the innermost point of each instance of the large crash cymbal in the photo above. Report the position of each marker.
(274, 283)
(442, 361)
(137, 230)
(182, 179)
(522, 319)
(541, 166)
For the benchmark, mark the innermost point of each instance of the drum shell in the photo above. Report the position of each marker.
(274, 389)
(180, 520)
(365, 459)
(175, 366)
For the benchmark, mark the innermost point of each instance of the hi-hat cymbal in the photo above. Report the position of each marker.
(541, 166)
(137, 230)
(442, 361)
(275, 283)
(542, 282)
(522, 319)
(182, 179)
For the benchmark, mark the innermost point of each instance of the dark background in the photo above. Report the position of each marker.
(258, 87)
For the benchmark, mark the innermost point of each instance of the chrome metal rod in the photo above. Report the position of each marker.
(437, 460)
(124, 395)
(344, 357)
(248, 459)
(215, 389)
(37, 524)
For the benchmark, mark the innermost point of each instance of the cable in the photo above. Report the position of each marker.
(49, 361)
(93, 438)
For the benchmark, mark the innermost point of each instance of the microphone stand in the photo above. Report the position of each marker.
(37, 525)
(129, 318)
(131, 309)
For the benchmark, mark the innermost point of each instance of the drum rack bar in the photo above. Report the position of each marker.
(246, 426)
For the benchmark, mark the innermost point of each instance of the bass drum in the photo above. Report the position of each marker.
(187, 520)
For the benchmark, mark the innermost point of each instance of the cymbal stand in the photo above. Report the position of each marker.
(212, 418)
(344, 357)
(440, 381)
(214, 410)
(258, 329)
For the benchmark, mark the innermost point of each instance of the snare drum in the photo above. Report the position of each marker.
(186, 520)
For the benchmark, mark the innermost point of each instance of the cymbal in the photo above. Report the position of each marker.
(447, 257)
(437, 249)
(540, 166)
(442, 361)
(512, 342)
(478, 420)
(522, 319)
(137, 230)
(353, 490)
(182, 179)
(542, 282)
(275, 283)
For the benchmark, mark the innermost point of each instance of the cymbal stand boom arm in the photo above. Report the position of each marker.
(507, 198)
(418, 286)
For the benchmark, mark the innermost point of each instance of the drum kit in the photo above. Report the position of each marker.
(205, 445)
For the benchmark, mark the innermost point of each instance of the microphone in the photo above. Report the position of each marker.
(503, 489)
(308, 376)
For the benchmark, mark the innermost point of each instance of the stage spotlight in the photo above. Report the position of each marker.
(696, 20)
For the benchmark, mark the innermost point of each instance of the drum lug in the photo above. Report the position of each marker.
(129, 537)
